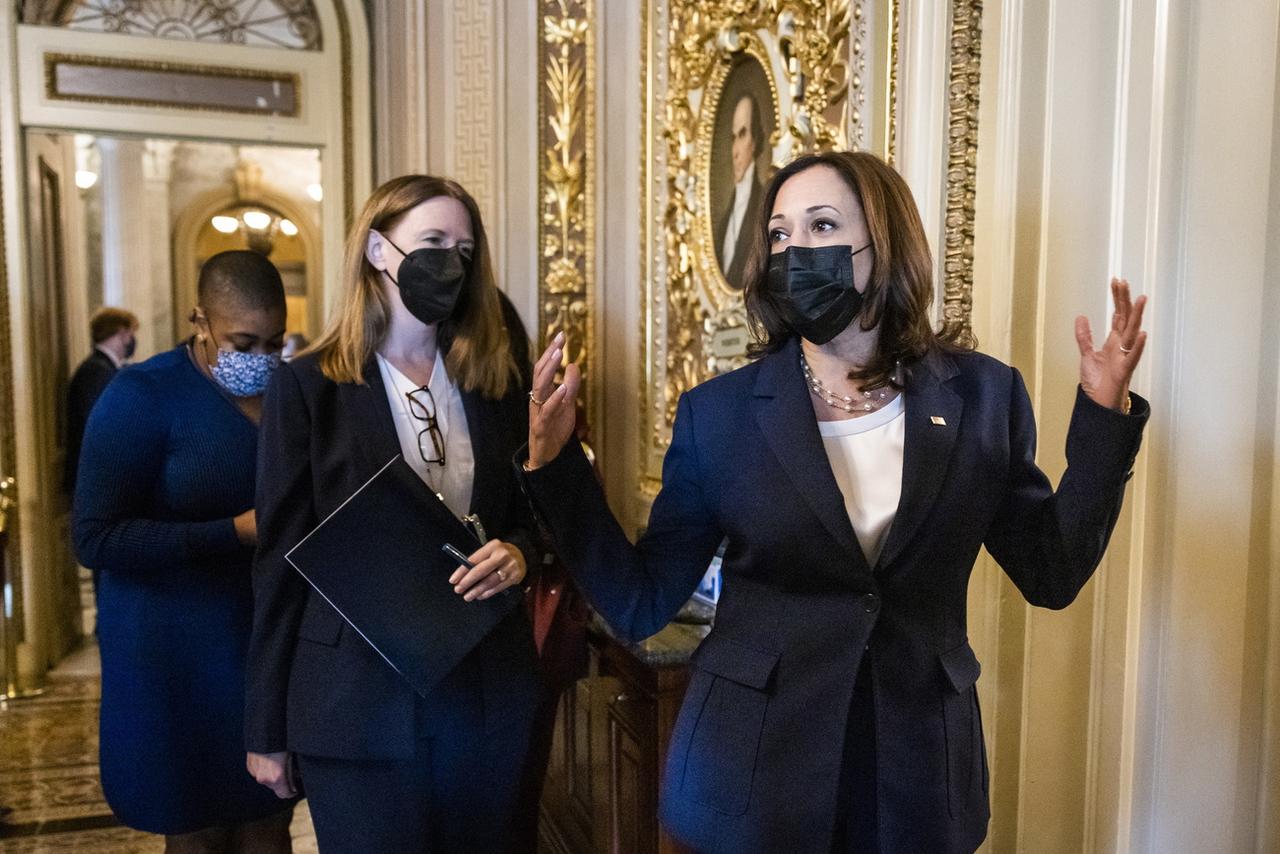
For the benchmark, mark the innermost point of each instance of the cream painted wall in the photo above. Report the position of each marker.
(1136, 138)
(455, 94)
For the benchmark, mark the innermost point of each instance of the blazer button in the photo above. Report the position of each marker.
(871, 603)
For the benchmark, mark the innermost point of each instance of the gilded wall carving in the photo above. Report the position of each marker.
(962, 164)
(566, 183)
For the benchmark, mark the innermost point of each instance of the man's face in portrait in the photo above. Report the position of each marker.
(744, 143)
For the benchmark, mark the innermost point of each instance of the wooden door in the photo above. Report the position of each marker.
(54, 577)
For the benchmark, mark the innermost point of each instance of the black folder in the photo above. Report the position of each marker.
(377, 560)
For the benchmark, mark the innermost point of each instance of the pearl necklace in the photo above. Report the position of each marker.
(869, 402)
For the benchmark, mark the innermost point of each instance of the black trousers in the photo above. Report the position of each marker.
(855, 831)
(456, 793)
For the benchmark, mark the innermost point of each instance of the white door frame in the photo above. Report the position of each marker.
(334, 117)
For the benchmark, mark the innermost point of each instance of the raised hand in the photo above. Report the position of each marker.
(1105, 373)
(552, 408)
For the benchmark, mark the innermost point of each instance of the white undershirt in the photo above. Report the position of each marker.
(453, 481)
(741, 198)
(866, 458)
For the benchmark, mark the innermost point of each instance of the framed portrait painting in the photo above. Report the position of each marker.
(743, 132)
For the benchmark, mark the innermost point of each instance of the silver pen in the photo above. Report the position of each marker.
(457, 555)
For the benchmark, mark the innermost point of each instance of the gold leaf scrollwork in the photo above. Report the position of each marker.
(962, 165)
(566, 179)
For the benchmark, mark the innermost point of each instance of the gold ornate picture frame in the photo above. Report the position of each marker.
(833, 71)
(814, 55)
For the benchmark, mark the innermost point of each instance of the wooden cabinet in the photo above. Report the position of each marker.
(610, 743)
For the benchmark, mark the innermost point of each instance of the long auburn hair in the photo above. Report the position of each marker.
(474, 338)
(900, 291)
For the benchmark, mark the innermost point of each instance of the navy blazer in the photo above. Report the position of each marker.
(314, 686)
(755, 759)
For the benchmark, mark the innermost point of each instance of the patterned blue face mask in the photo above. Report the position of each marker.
(244, 374)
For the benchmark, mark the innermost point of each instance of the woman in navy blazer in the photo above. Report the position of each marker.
(833, 705)
(385, 769)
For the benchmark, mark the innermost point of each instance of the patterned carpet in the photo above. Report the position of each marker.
(49, 774)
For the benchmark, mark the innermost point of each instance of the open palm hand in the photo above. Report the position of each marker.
(1105, 373)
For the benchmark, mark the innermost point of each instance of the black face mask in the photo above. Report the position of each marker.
(431, 281)
(814, 289)
(131, 347)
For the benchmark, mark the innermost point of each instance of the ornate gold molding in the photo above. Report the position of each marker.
(348, 107)
(962, 164)
(858, 50)
(891, 74)
(566, 183)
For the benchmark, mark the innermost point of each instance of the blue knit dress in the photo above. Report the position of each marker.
(168, 461)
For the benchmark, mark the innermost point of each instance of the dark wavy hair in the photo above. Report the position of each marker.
(900, 291)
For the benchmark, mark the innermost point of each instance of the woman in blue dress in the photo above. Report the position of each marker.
(164, 514)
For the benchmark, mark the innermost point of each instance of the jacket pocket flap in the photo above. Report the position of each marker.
(734, 661)
(961, 666)
(320, 622)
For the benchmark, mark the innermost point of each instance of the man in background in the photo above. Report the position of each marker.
(114, 333)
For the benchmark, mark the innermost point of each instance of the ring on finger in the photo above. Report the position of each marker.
(535, 400)
(1124, 349)
(502, 576)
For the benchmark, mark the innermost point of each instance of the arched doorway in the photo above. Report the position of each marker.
(142, 79)
(216, 221)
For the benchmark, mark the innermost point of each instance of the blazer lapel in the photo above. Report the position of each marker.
(488, 496)
(371, 411)
(785, 416)
(933, 414)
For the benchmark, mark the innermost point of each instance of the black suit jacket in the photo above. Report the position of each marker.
(754, 763)
(87, 384)
(750, 221)
(314, 686)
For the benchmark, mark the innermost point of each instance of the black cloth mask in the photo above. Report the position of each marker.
(431, 281)
(131, 347)
(813, 286)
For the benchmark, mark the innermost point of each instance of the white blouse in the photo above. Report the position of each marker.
(453, 481)
(866, 458)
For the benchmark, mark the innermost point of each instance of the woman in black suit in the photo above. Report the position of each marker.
(418, 361)
(853, 470)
